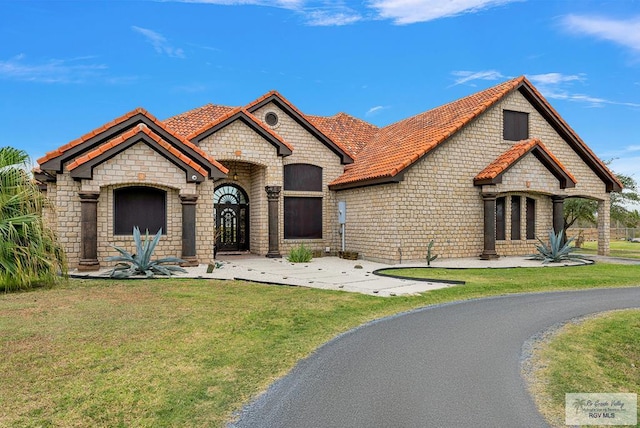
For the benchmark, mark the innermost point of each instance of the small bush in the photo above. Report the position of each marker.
(300, 254)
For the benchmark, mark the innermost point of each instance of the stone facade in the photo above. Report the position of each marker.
(435, 199)
(438, 199)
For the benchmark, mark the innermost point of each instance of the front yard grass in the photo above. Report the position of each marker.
(190, 352)
(625, 249)
(599, 354)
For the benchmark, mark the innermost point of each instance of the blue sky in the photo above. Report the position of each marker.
(67, 67)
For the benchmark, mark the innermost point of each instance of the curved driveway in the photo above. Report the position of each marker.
(454, 365)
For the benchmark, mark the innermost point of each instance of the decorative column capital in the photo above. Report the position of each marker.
(273, 192)
(89, 196)
(489, 196)
(188, 199)
(558, 198)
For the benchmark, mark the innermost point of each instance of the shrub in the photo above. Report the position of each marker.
(30, 253)
(141, 263)
(300, 254)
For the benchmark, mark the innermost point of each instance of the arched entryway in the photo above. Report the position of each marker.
(231, 208)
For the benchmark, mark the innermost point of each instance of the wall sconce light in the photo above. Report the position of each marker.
(235, 176)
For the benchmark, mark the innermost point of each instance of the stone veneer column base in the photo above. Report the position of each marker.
(86, 265)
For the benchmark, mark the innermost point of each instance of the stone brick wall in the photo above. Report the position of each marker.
(438, 199)
(257, 165)
(138, 166)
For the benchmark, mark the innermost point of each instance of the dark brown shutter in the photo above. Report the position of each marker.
(303, 177)
(302, 218)
(515, 125)
(500, 219)
(531, 218)
(515, 218)
(144, 207)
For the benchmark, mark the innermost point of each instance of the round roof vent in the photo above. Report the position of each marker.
(271, 118)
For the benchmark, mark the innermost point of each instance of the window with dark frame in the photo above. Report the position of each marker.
(515, 125)
(515, 218)
(302, 217)
(500, 219)
(531, 218)
(303, 177)
(302, 214)
(145, 207)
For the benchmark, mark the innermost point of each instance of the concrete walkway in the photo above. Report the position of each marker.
(332, 273)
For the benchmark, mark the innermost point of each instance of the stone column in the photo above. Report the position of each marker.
(88, 231)
(558, 215)
(189, 230)
(604, 231)
(273, 196)
(489, 251)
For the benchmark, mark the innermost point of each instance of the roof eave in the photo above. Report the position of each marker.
(368, 182)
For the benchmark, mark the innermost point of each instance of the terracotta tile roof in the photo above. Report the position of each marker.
(188, 122)
(350, 131)
(401, 144)
(107, 126)
(506, 160)
(232, 113)
(60, 150)
(140, 128)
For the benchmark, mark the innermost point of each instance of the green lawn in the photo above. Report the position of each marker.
(600, 354)
(190, 352)
(618, 249)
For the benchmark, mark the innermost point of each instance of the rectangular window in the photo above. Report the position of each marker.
(500, 219)
(302, 218)
(515, 218)
(531, 218)
(515, 125)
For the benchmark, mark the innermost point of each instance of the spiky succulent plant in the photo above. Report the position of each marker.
(140, 263)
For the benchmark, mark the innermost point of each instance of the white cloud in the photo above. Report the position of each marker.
(74, 70)
(324, 18)
(159, 42)
(623, 32)
(412, 11)
(554, 78)
(463, 77)
(284, 4)
(633, 148)
(374, 110)
(558, 86)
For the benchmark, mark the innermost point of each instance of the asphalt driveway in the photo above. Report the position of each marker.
(454, 365)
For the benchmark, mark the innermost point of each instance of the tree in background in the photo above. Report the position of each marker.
(584, 211)
(29, 252)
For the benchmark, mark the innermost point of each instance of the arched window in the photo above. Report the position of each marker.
(145, 207)
(302, 176)
(229, 194)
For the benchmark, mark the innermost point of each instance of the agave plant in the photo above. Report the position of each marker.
(556, 251)
(140, 263)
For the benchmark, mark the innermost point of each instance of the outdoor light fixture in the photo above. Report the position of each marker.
(235, 176)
